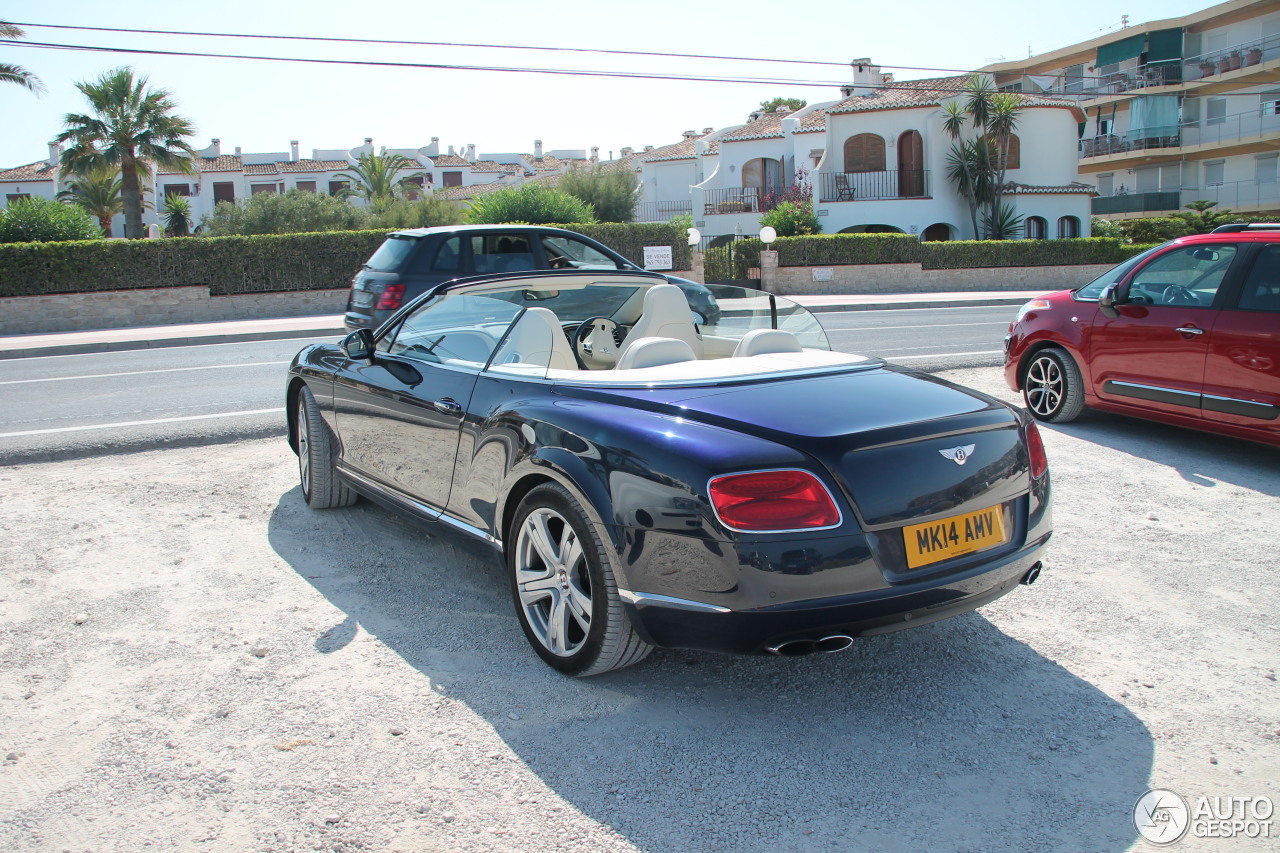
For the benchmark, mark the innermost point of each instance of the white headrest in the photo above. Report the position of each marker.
(762, 341)
(653, 352)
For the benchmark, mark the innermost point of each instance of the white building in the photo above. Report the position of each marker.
(1177, 110)
(230, 177)
(876, 160)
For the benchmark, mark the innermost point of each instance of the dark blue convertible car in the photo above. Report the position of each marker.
(652, 481)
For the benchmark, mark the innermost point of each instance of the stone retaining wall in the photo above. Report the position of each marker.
(120, 309)
(912, 278)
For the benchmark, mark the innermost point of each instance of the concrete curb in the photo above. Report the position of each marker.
(163, 343)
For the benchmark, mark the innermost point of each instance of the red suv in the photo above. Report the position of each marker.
(1187, 333)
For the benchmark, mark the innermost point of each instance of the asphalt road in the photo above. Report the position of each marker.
(83, 405)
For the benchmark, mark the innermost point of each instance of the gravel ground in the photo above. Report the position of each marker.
(191, 659)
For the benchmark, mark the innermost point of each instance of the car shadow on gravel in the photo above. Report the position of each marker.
(951, 736)
(1205, 459)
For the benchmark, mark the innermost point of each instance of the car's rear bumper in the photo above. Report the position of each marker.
(675, 623)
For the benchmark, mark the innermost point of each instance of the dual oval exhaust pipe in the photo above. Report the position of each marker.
(839, 642)
(807, 646)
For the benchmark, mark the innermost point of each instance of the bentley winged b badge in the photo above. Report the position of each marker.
(959, 455)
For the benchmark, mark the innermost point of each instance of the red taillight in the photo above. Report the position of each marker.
(773, 501)
(391, 297)
(1035, 448)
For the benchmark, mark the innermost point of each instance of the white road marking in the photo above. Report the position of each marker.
(141, 423)
(896, 328)
(142, 372)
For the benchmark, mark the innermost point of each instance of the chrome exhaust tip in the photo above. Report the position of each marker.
(834, 643)
(796, 648)
(1032, 575)
(792, 648)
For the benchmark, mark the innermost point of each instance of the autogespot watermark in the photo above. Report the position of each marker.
(1164, 817)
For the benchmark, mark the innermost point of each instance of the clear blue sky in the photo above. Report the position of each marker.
(261, 106)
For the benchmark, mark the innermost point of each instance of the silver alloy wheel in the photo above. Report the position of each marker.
(1046, 386)
(304, 446)
(553, 582)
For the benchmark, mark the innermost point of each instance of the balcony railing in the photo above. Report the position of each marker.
(1237, 194)
(732, 200)
(872, 186)
(1210, 131)
(1100, 146)
(1234, 58)
(1136, 203)
(661, 211)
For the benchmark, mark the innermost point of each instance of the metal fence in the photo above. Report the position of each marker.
(870, 186)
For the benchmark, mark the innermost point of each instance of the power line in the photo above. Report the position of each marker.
(635, 75)
(481, 46)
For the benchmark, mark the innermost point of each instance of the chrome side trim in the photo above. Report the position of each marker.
(470, 530)
(639, 599)
(429, 511)
(1243, 408)
(1139, 387)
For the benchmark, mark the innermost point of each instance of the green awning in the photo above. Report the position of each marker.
(1119, 51)
(1164, 45)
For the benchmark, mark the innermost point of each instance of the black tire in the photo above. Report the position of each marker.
(564, 591)
(321, 486)
(1051, 386)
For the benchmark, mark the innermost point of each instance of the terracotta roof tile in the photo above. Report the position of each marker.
(491, 166)
(1028, 189)
(464, 193)
(685, 149)
(261, 169)
(312, 165)
(930, 92)
(449, 160)
(767, 126)
(38, 171)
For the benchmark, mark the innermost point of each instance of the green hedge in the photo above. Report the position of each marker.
(629, 239)
(260, 264)
(226, 265)
(970, 254)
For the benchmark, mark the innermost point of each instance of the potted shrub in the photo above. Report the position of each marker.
(1233, 60)
(1254, 56)
(1224, 65)
(1207, 68)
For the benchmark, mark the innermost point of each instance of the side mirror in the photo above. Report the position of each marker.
(359, 345)
(1108, 300)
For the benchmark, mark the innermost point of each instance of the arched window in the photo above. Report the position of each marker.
(763, 173)
(1013, 159)
(864, 153)
(937, 233)
(1037, 228)
(1068, 227)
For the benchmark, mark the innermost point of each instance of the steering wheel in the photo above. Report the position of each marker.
(1176, 294)
(595, 343)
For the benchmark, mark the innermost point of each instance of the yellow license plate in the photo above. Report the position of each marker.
(953, 537)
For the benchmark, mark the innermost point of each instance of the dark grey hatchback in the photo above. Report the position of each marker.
(413, 261)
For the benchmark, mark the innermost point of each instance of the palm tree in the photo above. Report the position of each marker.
(130, 129)
(10, 73)
(374, 178)
(99, 192)
(977, 165)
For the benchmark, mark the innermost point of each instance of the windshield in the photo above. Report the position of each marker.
(391, 253)
(1094, 289)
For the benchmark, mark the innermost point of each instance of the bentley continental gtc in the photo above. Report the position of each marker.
(652, 480)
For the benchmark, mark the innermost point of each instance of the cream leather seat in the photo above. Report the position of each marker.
(655, 352)
(666, 315)
(538, 339)
(763, 341)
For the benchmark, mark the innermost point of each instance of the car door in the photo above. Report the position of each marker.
(398, 416)
(501, 251)
(1242, 370)
(1153, 354)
